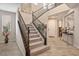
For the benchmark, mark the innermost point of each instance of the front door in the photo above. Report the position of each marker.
(52, 28)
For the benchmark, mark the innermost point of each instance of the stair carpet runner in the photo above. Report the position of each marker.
(35, 41)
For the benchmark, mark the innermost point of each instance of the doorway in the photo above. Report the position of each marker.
(52, 27)
(8, 23)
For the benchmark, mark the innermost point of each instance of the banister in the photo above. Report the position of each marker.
(25, 34)
(36, 24)
(55, 5)
(38, 20)
(39, 9)
(45, 39)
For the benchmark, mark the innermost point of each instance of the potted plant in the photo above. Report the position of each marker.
(6, 33)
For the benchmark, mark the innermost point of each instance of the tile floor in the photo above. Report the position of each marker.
(57, 48)
(60, 48)
(10, 49)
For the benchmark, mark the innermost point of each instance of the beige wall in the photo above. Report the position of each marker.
(26, 7)
(76, 30)
(29, 7)
(27, 17)
(36, 7)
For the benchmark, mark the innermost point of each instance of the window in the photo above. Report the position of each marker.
(6, 23)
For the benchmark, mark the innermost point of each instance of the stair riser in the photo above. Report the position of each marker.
(36, 46)
(33, 32)
(35, 40)
(31, 27)
(39, 51)
(34, 36)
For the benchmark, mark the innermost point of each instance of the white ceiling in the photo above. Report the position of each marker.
(61, 8)
(72, 5)
(12, 7)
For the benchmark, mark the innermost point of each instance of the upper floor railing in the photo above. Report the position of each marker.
(43, 9)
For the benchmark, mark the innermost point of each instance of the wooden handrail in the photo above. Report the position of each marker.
(37, 20)
(25, 34)
(34, 22)
(45, 39)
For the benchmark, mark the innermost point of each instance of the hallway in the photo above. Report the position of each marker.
(32, 40)
(10, 49)
(60, 48)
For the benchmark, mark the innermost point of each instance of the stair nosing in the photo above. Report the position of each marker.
(33, 34)
(39, 48)
(36, 43)
(35, 38)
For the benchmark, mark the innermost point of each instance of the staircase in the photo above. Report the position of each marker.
(36, 43)
(35, 34)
